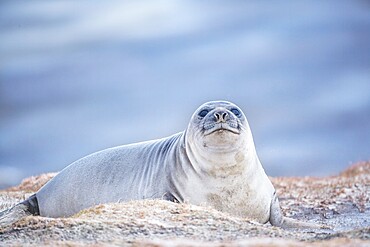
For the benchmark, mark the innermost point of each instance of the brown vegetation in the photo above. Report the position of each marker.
(342, 201)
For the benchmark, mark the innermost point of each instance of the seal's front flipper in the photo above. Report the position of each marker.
(19, 211)
(278, 219)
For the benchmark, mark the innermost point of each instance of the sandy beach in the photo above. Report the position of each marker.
(341, 202)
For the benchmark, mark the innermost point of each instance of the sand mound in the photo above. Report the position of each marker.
(32, 184)
(340, 201)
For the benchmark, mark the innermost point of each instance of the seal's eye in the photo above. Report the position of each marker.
(203, 113)
(236, 112)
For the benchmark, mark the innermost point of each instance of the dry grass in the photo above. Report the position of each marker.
(340, 201)
(32, 184)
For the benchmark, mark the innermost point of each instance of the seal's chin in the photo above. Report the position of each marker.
(221, 128)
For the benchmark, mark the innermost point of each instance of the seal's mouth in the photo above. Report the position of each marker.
(221, 128)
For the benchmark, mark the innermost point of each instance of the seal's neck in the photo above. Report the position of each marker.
(223, 163)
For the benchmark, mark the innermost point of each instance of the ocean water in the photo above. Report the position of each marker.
(78, 77)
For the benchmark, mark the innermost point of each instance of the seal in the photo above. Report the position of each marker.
(213, 162)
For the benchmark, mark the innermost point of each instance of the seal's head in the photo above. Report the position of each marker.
(217, 130)
(224, 170)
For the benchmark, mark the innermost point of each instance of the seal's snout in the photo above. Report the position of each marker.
(220, 120)
(221, 116)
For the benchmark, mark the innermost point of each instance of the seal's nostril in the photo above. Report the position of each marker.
(217, 116)
(221, 116)
(225, 115)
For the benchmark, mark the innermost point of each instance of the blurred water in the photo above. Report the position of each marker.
(77, 77)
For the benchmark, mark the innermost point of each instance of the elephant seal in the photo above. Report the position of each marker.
(213, 162)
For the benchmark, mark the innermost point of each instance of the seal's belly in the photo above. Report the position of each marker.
(242, 198)
(242, 203)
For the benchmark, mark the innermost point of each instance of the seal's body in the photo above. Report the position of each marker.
(213, 162)
(129, 172)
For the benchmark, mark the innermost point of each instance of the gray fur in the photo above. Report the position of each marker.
(130, 172)
(213, 162)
